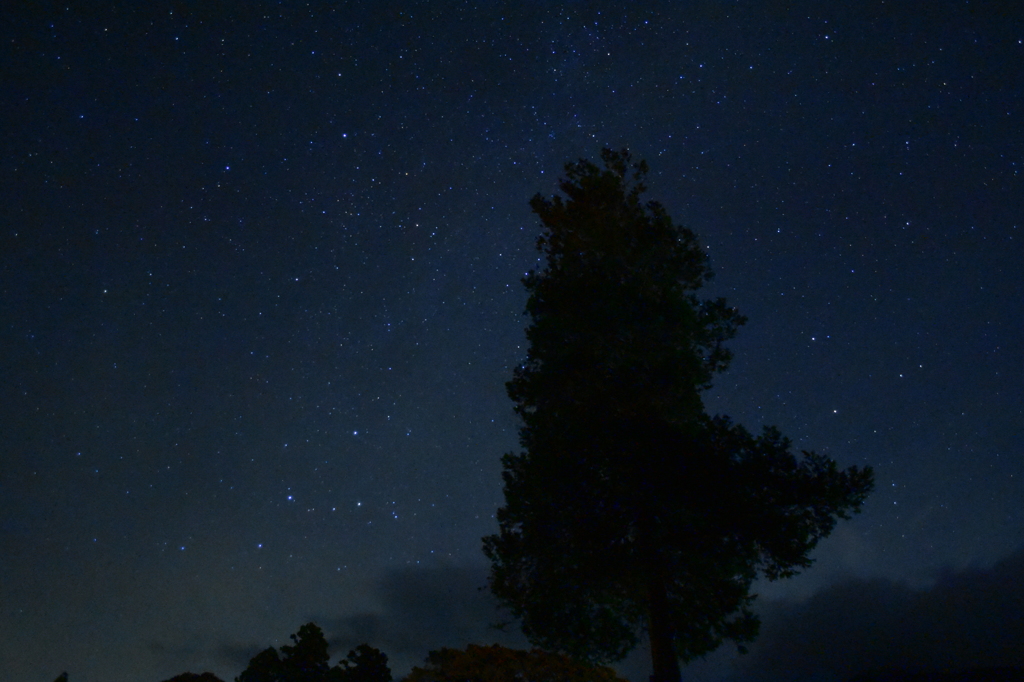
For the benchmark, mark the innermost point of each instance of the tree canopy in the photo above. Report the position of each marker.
(496, 663)
(307, 660)
(629, 509)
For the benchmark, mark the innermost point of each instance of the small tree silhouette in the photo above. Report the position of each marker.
(307, 660)
(364, 664)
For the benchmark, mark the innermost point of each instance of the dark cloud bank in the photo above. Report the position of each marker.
(426, 609)
(966, 620)
(421, 609)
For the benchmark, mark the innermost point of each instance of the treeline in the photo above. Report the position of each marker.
(307, 659)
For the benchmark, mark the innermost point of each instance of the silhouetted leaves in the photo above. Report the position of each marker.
(266, 666)
(307, 660)
(364, 664)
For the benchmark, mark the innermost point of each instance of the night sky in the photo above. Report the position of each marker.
(259, 296)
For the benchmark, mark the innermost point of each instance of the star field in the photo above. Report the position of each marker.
(259, 296)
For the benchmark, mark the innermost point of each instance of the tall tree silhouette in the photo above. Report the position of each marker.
(630, 510)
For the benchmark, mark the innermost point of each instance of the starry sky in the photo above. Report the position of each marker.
(259, 296)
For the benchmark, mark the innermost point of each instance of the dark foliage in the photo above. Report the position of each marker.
(364, 664)
(266, 666)
(195, 677)
(630, 509)
(307, 660)
(496, 663)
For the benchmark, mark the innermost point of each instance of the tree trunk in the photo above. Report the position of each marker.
(663, 652)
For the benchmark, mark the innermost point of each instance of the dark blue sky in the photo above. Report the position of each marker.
(259, 295)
